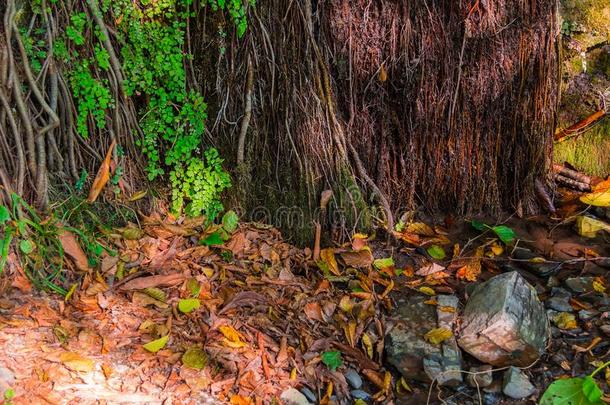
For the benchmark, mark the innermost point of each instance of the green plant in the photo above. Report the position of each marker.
(237, 11)
(578, 390)
(9, 394)
(506, 234)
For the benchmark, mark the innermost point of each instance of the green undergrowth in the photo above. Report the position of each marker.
(36, 240)
(589, 152)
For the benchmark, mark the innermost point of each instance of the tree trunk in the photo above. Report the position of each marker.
(448, 105)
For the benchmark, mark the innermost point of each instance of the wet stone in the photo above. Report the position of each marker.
(309, 394)
(516, 384)
(483, 377)
(560, 300)
(363, 395)
(586, 314)
(353, 379)
(504, 322)
(580, 284)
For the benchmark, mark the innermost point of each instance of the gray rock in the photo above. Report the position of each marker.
(363, 395)
(405, 344)
(504, 322)
(586, 314)
(560, 300)
(446, 366)
(292, 396)
(580, 284)
(353, 379)
(516, 384)
(543, 269)
(483, 377)
(411, 354)
(311, 397)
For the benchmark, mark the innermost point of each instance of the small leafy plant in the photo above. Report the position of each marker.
(503, 232)
(578, 390)
(332, 359)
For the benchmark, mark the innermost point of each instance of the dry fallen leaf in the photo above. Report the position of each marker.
(103, 175)
(72, 248)
(430, 269)
(328, 257)
(76, 362)
(232, 338)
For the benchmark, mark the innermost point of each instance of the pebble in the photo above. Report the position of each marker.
(353, 379)
(311, 397)
(482, 380)
(363, 395)
(516, 384)
(292, 396)
(560, 300)
(585, 314)
(580, 284)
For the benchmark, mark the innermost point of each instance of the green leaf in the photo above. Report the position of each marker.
(5, 214)
(506, 234)
(155, 293)
(478, 225)
(383, 263)
(436, 252)
(195, 357)
(26, 246)
(9, 394)
(230, 221)
(591, 390)
(571, 391)
(188, 305)
(156, 345)
(193, 286)
(212, 239)
(332, 359)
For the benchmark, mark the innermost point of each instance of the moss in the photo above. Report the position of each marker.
(590, 152)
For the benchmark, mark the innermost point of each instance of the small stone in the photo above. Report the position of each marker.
(363, 395)
(586, 314)
(542, 269)
(7, 379)
(292, 396)
(553, 282)
(491, 398)
(353, 379)
(580, 284)
(482, 378)
(560, 300)
(311, 397)
(504, 322)
(516, 384)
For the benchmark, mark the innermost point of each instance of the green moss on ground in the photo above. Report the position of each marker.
(589, 153)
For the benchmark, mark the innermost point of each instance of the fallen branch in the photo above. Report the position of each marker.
(572, 174)
(571, 183)
(580, 127)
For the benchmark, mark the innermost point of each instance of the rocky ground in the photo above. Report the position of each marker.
(448, 311)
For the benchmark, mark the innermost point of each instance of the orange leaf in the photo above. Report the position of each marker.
(73, 250)
(103, 175)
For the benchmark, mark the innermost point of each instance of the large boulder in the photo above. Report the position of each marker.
(504, 322)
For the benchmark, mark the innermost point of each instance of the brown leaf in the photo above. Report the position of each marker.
(430, 269)
(328, 256)
(166, 280)
(314, 311)
(358, 259)
(76, 362)
(73, 250)
(102, 177)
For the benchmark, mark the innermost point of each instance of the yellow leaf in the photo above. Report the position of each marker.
(232, 338)
(402, 385)
(293, 374)
(470, 271)
(588, 227)
(599, 199)
(497, 249)
(419, 228)
(368, 345)
(537, 260)
(446, 309)
(383, 75)
(427, 290)
(102, 177)
(138, 195)
(599, 286)
(438, 335)
(328, 257)
(76, 362)
(350, 333)
(565, 320)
